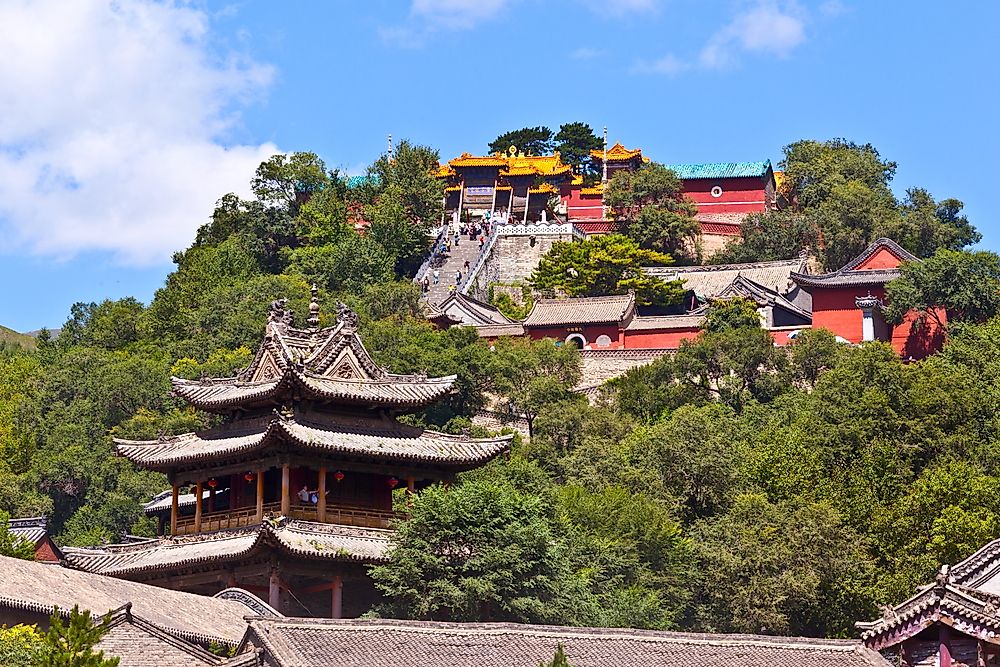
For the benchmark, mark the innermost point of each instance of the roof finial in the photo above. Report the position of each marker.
(389, 152)
(314, 307)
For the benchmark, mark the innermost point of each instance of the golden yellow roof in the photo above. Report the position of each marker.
(577, 180)
(544, 187)
(779, 180)
(453, 188)
(596, 190)
(617, 153)
(444, 171)
(514, 164)
(469, 160)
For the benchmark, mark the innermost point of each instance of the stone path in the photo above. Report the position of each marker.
(454, 259)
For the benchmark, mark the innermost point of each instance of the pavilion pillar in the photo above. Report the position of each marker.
(260, 496)
(173, 510)
(493, 204)
(944, 646)
(211, 499)
(286, 497)
(321, 492)
(274, 589)
(411, 488)
(197, 507)
(510, 204)
(337, 589)
(527, 198)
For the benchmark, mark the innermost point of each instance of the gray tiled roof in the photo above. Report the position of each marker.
(216, 394)
(580, 310)
(302, 538)
(385, 643)
(654, 322)
(849, 275)
(464, 309)
(711, 281)
(494, 330)
(30, 529)
(38, 588)
(392, 441)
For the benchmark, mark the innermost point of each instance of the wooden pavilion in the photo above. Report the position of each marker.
(292, 493)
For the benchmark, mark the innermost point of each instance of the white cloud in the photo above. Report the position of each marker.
(586, 53)
(765, 27)
(457, 13)
(112, 120)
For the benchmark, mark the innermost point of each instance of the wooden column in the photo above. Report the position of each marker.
(197, 507)
(211, 499)
(286, 499)
(510, 204)
(338, 596)
(274, 589)
(527, 199)
(173, 510)
(493, 204)
(321, 492)
(411, 488)
(260, 496)
(944, 646)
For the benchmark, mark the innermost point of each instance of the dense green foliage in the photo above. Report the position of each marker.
(734, 486)
(602, 265)
(837, 200)
(527, 140)
(574, 141)
(650, 208)
(22, 646)
(71, 643)
(11, 545)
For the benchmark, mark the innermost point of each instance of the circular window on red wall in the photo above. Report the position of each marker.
(716, 190)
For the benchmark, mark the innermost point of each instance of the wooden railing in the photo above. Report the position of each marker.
(247, 516)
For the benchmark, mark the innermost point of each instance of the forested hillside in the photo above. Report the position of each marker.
(737, 487)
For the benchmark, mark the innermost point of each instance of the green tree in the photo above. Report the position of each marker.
(574, 141)
(527, 140)
(72, 644)
(289, 180)
(925, 225)
(12, 545)
(479, 551)
(604, 265)
(650, 208)
(769, 236)
(530, 374)
(559, 660)
(732, 313)
(965, 284)
(812, 352)
(22, 646)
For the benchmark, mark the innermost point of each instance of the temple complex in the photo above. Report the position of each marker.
(294, 492)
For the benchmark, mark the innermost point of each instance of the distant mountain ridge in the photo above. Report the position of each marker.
(11, 336)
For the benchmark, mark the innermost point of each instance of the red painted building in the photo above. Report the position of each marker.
(849, 302)
(35, 531)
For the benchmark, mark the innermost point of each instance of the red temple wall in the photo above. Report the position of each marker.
(45, 551)
(659, 339)
(883, 259)
(589, 331)
(739, 195)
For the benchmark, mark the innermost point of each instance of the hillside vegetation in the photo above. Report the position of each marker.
(736, 487)
(11, 337)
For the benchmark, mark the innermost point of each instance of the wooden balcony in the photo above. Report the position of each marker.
(247, 516)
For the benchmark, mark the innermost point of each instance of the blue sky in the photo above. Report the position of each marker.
(123, 122)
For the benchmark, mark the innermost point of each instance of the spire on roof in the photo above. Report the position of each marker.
(314, 307)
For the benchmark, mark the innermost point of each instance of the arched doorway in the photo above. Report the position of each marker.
(576, 340)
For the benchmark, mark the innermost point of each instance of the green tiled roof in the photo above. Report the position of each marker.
(357, 181)
(721, 169)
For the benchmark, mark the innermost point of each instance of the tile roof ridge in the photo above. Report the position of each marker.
(446, 627)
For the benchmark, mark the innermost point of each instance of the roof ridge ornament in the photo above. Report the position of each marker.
(314, 306)
(279, 312)
(346, 316)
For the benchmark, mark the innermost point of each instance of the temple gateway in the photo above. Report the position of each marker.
(292, 494)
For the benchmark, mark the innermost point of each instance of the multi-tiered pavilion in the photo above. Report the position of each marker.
(292, 493)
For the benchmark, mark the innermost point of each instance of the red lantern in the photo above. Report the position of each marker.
(212, 483)
(339, 476)
(248, 477)
(393, 482)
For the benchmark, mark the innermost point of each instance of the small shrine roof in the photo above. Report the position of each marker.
(595, 190)
(974, 612)
(543, 188)
(721, 170)
(444, 171)
(514, 164)
(39, 588)
(497, 330)
(712, 280)
(617, 153)
(851, 275)
(382, 441)
(461, 308)
(30, 529)
(666, 322)
(580, 310)
(762, 296)
(470, 160)
(307, 539)
(304, 642)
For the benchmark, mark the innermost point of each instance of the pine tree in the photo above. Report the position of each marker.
(558, 661)
(71, 644)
